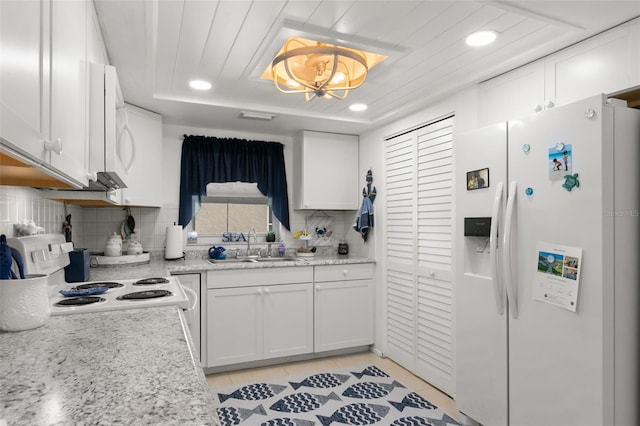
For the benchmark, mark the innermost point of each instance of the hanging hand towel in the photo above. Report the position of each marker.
(364, 222)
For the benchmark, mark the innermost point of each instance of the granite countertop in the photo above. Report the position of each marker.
(131, 366)
(159, 267)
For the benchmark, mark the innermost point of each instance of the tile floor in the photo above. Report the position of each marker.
(414, 383)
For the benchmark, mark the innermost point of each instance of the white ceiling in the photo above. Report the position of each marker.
(159, 45)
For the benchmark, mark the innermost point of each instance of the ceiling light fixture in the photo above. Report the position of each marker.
(358, 107)
(200, 85)
(319, 69)
(481, 38)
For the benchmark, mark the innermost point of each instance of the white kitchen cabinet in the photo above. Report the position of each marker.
(607, 63)
(343, 306)
(142, 139)
(602, 64)
(325, 171)
(43, 76)
(24, 77)
(69, 88)
(194, 317)
(96, 51)
(515, 94)
(258, 314)
(254, 323)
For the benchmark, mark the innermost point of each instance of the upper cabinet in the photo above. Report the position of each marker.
(140, 134)
(607, 63)
(325, 171)
(69, 75)
(43, 73)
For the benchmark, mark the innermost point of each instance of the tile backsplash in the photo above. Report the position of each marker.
(22, 203)
(150, 226)
(90, 225)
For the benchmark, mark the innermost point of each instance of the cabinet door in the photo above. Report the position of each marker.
(603, 64)
(234, 326)
(512, 95)
(141, 141)
(288, 319)
(328, 171)
(24, 71)
(69, 88)
(343, 314)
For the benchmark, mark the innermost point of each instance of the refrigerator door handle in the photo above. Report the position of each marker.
(510, 280)
(498, 289)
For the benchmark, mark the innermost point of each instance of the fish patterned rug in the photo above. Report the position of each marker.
(357, 396)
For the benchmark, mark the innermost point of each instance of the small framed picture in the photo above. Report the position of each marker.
(478, 179)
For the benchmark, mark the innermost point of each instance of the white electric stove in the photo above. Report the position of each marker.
(48, 254)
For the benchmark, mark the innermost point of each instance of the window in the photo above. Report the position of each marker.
(218, 216)
(233, 207)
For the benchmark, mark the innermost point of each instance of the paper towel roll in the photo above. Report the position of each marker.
(173, 249)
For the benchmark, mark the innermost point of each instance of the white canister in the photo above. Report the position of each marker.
(134, 247)
(24, 304)
(113, 246)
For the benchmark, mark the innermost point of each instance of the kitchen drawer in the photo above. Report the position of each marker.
(361, 271)
(259, 276)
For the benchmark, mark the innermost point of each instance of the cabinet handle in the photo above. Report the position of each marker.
(266, 291)
(53, 146)
(345, 272)
(318, 288)
(259, 291)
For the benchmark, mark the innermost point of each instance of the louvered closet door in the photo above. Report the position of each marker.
(418, 168)
(400, 248)
(435, 352)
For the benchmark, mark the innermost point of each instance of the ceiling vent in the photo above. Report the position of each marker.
(256, 115)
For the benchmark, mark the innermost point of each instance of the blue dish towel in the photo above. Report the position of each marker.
(364, 222)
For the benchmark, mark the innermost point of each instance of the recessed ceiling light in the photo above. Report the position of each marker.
(200, 85)
(357, 107)
(481, 38)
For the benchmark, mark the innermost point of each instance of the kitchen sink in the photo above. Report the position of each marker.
(254, 260)
(278, 259)
(232, 260)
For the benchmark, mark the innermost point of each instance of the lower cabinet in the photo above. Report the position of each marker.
(260, 314)
(343, 306)
(252, 323)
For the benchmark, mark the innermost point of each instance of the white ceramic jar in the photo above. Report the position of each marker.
(135, 247)
(113, 246)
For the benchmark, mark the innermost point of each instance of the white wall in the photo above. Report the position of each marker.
(463, 105)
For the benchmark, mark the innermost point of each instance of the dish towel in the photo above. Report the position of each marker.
(364, 221)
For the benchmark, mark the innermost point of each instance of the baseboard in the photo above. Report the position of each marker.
(287, 359)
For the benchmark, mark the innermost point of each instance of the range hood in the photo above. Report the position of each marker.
(85, 198)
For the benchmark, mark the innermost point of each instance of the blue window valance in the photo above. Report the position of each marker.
(217, 160)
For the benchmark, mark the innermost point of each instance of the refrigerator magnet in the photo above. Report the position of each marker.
(477, 179)
(560, 161)
(558, 275)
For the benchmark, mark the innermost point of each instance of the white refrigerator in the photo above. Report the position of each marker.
(546, 261)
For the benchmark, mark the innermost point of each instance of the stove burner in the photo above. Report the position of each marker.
(83, 300)
(150, 281)
(98, 284)
(148, 294)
